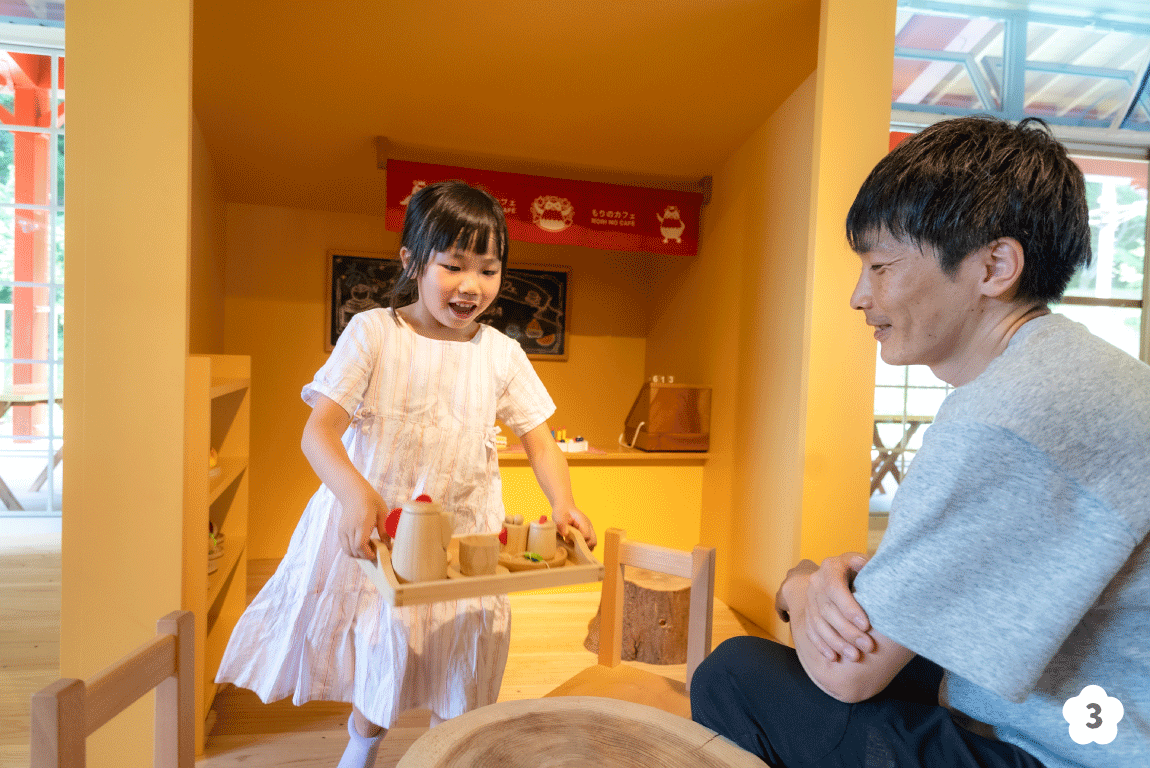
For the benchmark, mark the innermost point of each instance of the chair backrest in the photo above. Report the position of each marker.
(66, 712)
(697, 565)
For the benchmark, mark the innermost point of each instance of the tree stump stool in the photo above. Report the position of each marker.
(656, 607)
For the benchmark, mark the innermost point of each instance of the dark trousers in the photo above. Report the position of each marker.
(755, 693)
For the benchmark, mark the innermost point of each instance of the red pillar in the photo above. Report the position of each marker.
(33, 82)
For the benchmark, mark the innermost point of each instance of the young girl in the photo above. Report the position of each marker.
(406, 405)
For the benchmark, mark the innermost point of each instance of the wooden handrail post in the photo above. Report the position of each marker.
(56, 742)
(700, 622)
(611, 620)
(175, 745)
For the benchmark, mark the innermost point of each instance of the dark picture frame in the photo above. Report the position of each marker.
(532, 306)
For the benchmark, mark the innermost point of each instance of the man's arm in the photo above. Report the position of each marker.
(847, 680)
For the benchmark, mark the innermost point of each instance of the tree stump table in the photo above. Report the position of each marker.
(656, 608)
(573, 732)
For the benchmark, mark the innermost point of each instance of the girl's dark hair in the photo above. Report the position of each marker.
(960, 184)
(440, 217)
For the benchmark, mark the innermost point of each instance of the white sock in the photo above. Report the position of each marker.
(360, 752)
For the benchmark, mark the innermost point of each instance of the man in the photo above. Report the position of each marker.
(1015, 569)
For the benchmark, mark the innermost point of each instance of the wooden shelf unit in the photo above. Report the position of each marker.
(217, 415)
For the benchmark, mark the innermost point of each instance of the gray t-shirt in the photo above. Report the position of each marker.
(1016, 556)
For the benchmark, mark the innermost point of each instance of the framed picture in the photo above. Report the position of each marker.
(532, 305)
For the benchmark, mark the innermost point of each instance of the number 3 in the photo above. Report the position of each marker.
(1095, 720)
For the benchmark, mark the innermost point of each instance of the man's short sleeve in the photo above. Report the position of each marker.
(991, 558)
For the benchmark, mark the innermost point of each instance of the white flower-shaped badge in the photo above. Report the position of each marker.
(1093, 716)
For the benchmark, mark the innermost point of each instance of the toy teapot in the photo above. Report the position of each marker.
(419, 545)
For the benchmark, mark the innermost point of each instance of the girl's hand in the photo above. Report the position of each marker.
(356, 522)
(572, 516)
(360, 504)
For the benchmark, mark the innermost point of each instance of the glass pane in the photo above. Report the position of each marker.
(924, 402)
(60, 172)
(890, 434)
(888, 374)
(26, 88)
(24, 167)
(24, 246)
(24, 466)
(1118, 325)
(1116, 193)
(1139, 119)
(59, 334)
(59, 240)
(24, 385)
(921, 376)
(938, 83)
(1082, 73)
(30, 436)
(937, 78)
(30, 324)
(888, 400)
(60, 95)
(1074, 97)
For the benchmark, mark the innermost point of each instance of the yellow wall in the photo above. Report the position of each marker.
(790, 432)
(275, 272)
(129, 136)
(206, 266)
(852, 116)
(745, 339)
(791, 364)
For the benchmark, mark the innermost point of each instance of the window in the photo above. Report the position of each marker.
(31, 277)
(1085, 69)
(1107, 297)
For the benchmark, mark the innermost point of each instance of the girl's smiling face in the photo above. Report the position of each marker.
(456, 286)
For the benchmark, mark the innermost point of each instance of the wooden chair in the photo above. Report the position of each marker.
(612, 679)
(66, 712)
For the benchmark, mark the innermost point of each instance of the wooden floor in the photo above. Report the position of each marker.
(29, 634)
(546, 649)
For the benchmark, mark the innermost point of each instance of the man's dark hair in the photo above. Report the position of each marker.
(960, 184)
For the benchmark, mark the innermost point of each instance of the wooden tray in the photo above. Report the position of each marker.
(580, 567)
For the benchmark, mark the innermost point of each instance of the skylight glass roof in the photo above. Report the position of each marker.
(1079, 64)
(46, 13)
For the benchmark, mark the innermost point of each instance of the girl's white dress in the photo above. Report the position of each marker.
(423, 421)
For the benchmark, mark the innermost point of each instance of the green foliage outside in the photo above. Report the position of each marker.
(1129, 245)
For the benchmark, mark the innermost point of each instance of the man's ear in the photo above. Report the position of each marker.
(1003, 261)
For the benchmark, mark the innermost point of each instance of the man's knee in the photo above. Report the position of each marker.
(736, 674)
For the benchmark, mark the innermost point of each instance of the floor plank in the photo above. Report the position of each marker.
(29, 634)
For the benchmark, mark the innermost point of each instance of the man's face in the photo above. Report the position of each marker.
(921, 316)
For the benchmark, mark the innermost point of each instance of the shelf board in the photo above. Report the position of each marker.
(516, 458)
(221, 387)
(230, 468)
(233, 548)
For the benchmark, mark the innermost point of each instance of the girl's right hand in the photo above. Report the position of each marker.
(356, 522)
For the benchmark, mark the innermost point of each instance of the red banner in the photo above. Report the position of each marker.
(564, 212)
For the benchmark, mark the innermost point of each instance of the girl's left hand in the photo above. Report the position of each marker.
(572, 516)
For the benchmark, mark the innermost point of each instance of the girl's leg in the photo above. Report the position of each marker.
(364, 737)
